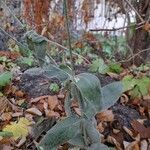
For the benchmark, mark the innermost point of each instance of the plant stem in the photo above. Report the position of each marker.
(69, 36)
(12, 13)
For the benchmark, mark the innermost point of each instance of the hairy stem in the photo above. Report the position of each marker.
(69, 36)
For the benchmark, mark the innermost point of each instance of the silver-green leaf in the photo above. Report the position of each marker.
(111, 93)
(62, 132)
(90, 89)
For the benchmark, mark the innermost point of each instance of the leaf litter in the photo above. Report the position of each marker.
(125, 125)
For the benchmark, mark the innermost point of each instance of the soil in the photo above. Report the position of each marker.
(124, 114)
(36, 84)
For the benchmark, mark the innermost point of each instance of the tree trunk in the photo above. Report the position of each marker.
(141, 39)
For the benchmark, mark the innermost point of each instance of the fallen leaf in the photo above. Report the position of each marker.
(146, 26)
(113, 75)
(19, 94)
(12, 55)
(52, 102)
(112, 140)
(119, 137)
(19, 129)
(21, 142)
(7, 147)
(144, 145)
(35, 100)
(116, 131)
(124, 99)
(128, 131)
(141, 129)
(6, 116)
(61, 96)
(51, 113)
(17, 114)
(34, 111)
(59, 107)
(100, 127)
(4, 103)
(77, 110)
(133, 146)
(106, 115)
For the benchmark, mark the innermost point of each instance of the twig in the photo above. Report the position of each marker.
(69, 36)
(11, 36)
(142, 20)
(115, 29)
(52, 42)
(11, 12)
(132, 57)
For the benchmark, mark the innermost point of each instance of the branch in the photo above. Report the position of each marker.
(52, 42)
(132, 57)
(142, 20)
(116, 29)
(12, 13)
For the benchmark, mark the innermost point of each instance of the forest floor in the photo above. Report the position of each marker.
(31, 103)
(28, 100)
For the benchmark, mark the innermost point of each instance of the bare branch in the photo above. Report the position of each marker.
(115, 29)
(142, 20)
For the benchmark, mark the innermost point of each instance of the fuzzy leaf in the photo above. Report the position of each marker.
(55, 72)
(78, 141)
(98, 146)
(111, 93)
(62, 132)
(90, 89)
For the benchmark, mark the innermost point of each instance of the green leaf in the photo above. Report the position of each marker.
(98, 65)
(27, 61)
(5, 78)
(90, 89)
(54, 87)
(6, 134)
(115, 67)
(135, 92)
(55, 72)
(111, 93)
(128, 82)
(3, 59)
(62, 132)
(144, 84)
(139, 86)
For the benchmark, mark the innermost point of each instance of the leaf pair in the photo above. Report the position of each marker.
(81, 131)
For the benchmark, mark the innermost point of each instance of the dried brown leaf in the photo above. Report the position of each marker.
(106, 115)
(35, 100)
(112, 140)
(6, 116)
(52, 102)
(52, 113)
(141, 129)
(100, 127)
(144, 145)
(34, 111)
